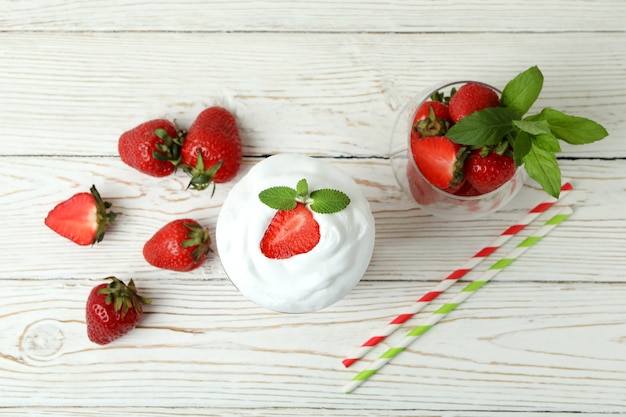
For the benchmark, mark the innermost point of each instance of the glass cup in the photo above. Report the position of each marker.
(430, 198)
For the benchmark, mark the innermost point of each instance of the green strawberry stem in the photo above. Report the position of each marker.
(201, 177)
(169, 150)
(123, 296)
(103, 216)
(199, 237)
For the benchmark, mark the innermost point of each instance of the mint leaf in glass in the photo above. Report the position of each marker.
(547, 142)
(485, 127)
(521, 147)
(522, 91)
(538, 127)
(543, 167)
(573, 129)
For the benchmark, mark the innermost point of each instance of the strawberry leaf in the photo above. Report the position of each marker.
(522, 91)
(279, 198)
(542, 166)
(573, 129)
(328, 201)
(485, 127)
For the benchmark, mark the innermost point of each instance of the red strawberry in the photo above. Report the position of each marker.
(420, 189)
(467, 190)
(113, 310)
(291, 232)
(469, 98)
(152, 147)
(488, 173)
(83, 218)
(439, 109)
(181, 245)
(432, 119)
(440, 161)
(212, 149)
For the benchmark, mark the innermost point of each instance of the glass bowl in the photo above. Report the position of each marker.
(430, 198)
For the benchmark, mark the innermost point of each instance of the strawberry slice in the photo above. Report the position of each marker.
(440, 160)
(291, 232)
(83, 218)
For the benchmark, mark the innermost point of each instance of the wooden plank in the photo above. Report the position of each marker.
(410, 245)
(530, 347)
(263, 412)
(318, 16)
(322, 94)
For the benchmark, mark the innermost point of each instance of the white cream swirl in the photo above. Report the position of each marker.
(306, 282)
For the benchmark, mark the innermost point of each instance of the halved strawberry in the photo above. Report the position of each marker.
(83, 218)
(440, 161)
(290, 232)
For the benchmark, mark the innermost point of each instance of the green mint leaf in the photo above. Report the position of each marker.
(542, 166)
(522, 91)
(573, 129)
(328, 201)
(302, 188)
(279, 198)
(485, 127)
(521, 147)
(547, 142)
(539, 127)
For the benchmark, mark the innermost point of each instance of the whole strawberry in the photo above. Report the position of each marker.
(469, 98)
(181, 245)
(113, 310)
(432, 119)
(489, 172)
(83, 218)
(212, 149)
(152, 147)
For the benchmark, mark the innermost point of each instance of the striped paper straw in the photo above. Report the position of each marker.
(445, 309)
(447, 282)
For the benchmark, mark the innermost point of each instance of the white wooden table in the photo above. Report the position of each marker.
(323, 78)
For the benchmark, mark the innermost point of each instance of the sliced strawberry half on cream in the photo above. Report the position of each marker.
(291, 232)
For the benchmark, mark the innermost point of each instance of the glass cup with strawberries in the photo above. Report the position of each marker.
(452, 178)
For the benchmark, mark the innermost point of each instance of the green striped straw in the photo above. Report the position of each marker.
(465, 293)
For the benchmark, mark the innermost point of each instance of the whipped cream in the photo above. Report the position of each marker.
(306, 282)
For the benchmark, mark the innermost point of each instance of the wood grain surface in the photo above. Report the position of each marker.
(328, 79)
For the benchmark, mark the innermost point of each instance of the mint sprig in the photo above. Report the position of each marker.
(534, 138)
(323, 201)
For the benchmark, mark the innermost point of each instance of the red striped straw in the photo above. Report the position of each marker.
(447, 282)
